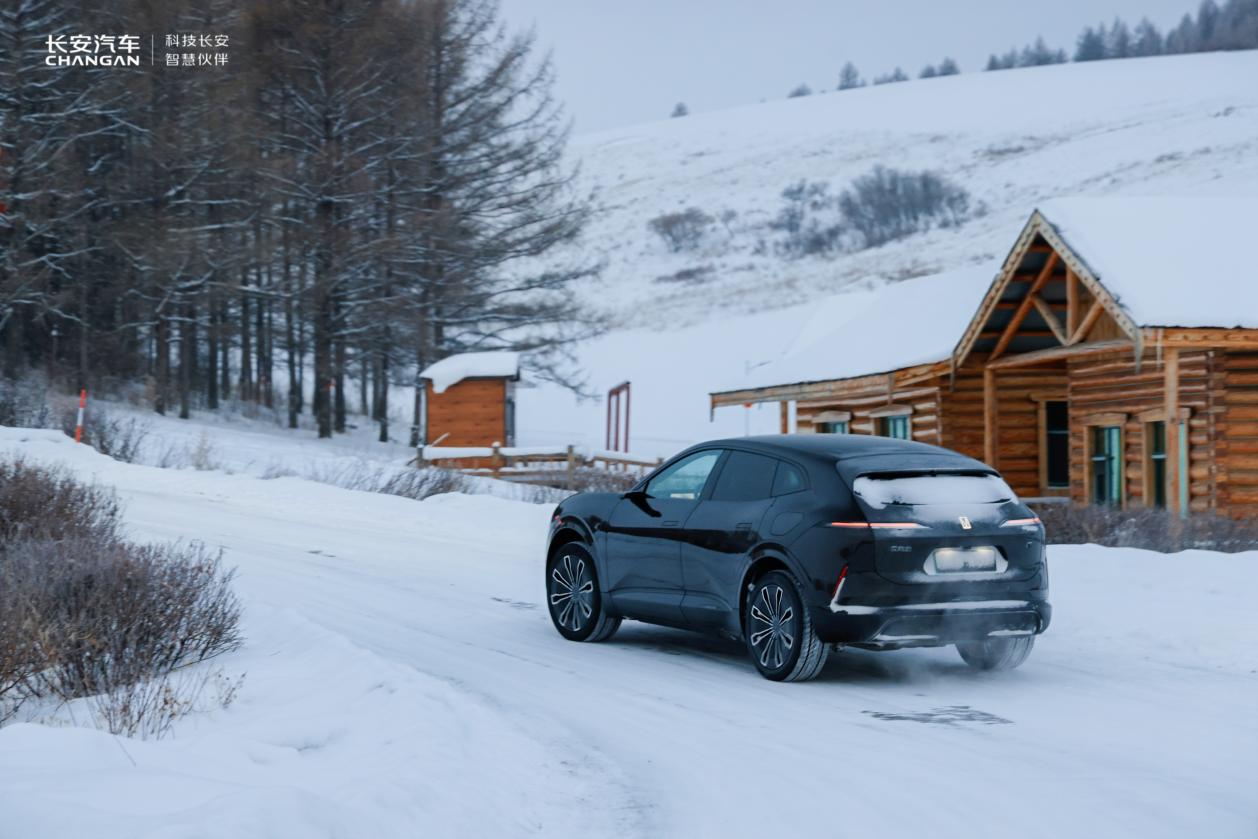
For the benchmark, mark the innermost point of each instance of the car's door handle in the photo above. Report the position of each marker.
(743, 525)
(670, 523)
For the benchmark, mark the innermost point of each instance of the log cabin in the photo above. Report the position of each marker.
(1112, 358)
(469, 400)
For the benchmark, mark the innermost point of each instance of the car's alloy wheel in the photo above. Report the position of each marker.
(996, 653)
(779, 631)
(573, 598)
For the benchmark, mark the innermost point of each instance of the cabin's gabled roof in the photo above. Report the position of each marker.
(1167, 261)
(885, 328)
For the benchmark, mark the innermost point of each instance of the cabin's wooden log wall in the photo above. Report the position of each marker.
(962, 412)
(1114, 384)
(1238, 434)
(923, 398)
(472, 413)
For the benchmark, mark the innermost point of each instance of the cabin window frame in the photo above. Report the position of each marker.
(885, 426)
(1042, 438)
(1119, 463)
(1152, 460)
(832, 427)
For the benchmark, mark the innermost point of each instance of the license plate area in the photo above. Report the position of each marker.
(981, 559)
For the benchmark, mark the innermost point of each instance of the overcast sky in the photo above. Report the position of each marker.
(627, 61)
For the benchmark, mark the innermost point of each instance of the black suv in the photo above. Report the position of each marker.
(796, 543)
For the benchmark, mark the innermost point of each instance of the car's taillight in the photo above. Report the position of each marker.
(880, 525)
(1022, 522)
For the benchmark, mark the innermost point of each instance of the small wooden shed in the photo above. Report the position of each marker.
(469, 400)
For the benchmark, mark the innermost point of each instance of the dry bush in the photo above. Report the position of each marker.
(1152, 529)
(41, 503)
(683, 231)
(121, 438)
(409, 483)
(24, 403)
(888, 204)
(84, 613)
(95, 618)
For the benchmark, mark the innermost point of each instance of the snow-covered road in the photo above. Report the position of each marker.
(404, 679)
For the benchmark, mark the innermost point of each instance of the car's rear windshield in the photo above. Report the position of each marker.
(921, 489)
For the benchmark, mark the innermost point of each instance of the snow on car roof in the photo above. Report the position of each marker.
(1169, 261)
(453, 369)
(894, 325)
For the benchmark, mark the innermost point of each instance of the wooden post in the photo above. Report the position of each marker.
(496, 459)
(1170, 392)
(1072, 303)
(572, 468)
(989, 416)
(786, 416)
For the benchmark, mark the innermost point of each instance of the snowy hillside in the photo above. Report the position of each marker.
(403, 679)
(1172, 125)
(1181, 125)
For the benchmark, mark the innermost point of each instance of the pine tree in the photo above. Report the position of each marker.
(1183, 38)
(802, 89)
(1147, 40)
(1118, 42)
(850, 77)
(680, 110)
(949, 67)
(1091, 45)
(928, 72)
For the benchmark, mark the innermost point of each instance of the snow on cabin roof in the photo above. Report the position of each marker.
(1169, 261)
(860, 333)
(453, 369)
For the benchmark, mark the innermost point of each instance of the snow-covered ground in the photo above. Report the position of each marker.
(403, 679)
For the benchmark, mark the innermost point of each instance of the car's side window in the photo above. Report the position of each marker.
(685, 479)
(788, 479)
(745, 477)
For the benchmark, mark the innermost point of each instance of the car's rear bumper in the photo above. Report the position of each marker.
(932, 623)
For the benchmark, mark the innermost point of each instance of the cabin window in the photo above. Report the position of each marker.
(897, 427)
(1056, 445)
(1106, 465)
(1155, 463)
(836, 427)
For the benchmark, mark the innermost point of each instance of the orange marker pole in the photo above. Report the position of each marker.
(78, 426)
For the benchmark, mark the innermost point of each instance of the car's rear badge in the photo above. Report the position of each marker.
(965, 522)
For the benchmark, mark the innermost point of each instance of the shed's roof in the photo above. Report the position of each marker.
(858, 333)
(1168, 261)
(453, 369)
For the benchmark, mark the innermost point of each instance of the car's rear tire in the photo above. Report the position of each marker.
(573, 598)
(779, 631)
(996, 653)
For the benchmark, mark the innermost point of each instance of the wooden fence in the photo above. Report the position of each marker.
(559, 467)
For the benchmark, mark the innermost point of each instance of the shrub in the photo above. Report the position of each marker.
(40, 503)
(1152, 529)
(84, 613)
(24, 403)
(682, 231)
(808, 220)
(888, 204)
(121, 438)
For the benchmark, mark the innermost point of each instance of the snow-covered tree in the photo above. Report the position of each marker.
(802, 89)
(1091, 44)
(949, 67)
(1118, 41)
(1146, 40)
(680, 110)
(850, 77)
